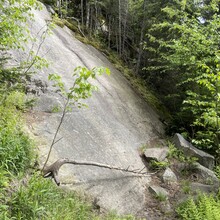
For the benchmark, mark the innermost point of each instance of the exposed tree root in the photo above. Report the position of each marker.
(53, 169)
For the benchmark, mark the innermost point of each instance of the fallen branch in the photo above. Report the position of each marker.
(53, 169)
(78, 25)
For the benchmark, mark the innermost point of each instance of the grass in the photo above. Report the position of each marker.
(161, 197)
(24, 193)
(185, 186)
(39, 198)
(16, 149)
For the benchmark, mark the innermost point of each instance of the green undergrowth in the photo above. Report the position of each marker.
(24, 193)
(204, 207)
(40, 198)
(16, 149)
(63, 22)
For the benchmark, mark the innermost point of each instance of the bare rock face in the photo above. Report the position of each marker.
(158, 154)
(117, 122)
(205, 159)
(36, 86)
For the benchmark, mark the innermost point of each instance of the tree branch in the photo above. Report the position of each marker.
(53, 169)
(42, 39)
(55, 135)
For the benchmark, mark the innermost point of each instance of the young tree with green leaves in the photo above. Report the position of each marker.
(13, 33)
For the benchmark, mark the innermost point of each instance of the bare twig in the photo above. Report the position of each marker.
(53, 169)
(54, 141)
(42, 37)
(33, 44)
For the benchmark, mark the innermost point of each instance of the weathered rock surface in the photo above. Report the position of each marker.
(208, 175)
(205, 159)
(117, 122)
(204, 188)
(165, 207)
(158, 191)
(36, 86)
(169, 177)
(158, 154)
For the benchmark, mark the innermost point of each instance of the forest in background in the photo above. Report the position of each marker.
(172, 45)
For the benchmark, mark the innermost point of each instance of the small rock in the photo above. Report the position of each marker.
(165, 207)
(158, 154)
(205, 159)
(158, 191)
(169, 176)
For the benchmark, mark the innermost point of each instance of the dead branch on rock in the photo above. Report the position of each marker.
(53, 169)
(78, 26)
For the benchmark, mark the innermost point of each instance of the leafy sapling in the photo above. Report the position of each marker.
(80, 89)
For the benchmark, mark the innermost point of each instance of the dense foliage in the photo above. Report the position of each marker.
(188, 56)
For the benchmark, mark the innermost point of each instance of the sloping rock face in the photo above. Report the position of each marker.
(110, 131)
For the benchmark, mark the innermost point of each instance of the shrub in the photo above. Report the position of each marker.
(41, 199)
(15, 146)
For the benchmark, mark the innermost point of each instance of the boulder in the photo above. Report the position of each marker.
(208, 176)
(204, 188)
(169, 177)
(158, 154)
(205, 159)
(158, 191)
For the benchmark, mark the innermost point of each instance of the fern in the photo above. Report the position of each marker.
(205, 207)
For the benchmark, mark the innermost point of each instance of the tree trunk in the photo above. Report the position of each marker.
(59, 8)
(140, 52)
(66, 8)
(96, 16)
(87, 15)
(125, 25)
(119, 27)
(82, 14)
(109, 33)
